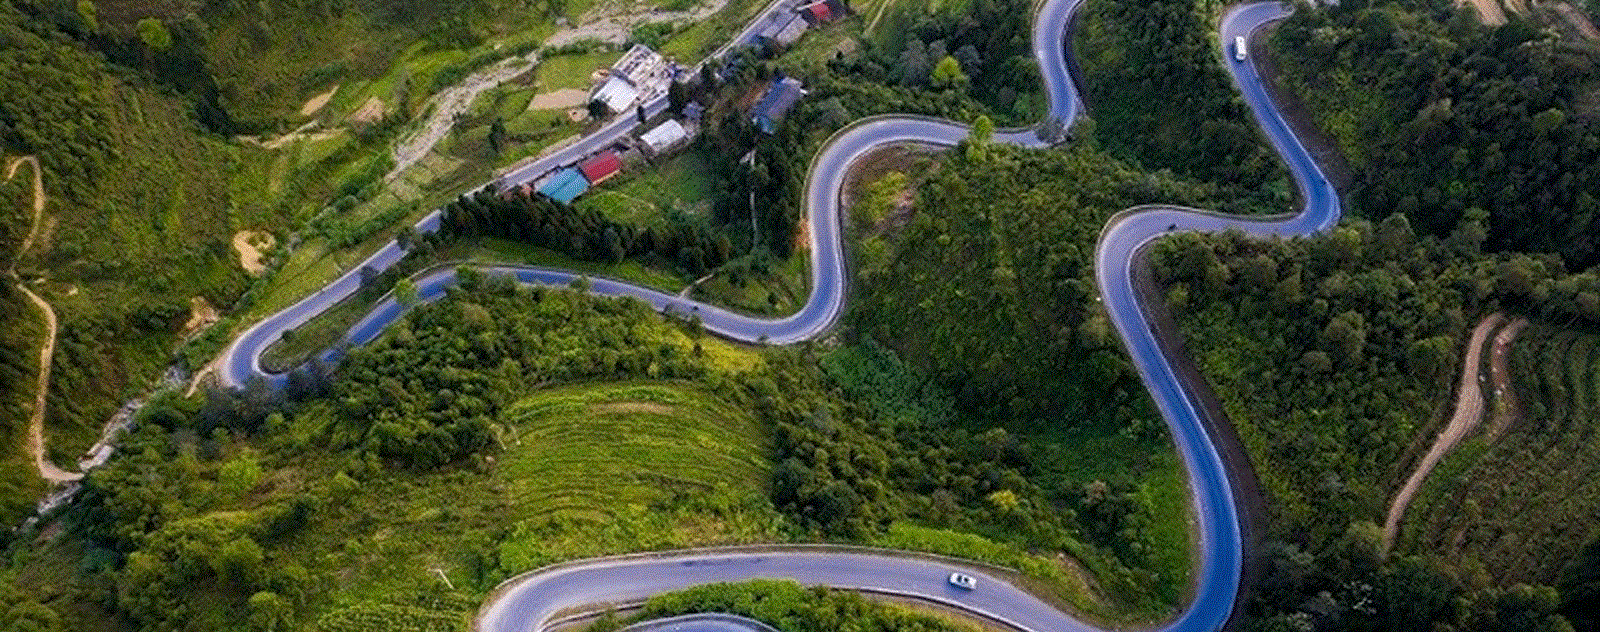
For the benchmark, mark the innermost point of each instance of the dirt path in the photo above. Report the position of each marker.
(1489, 11)
(1468, 414)
(47, 349)
(1577, 19)
(1505, 409)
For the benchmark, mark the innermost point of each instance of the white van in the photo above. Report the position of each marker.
(1239, 49)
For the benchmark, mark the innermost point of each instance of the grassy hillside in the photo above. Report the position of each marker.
(1523, 501)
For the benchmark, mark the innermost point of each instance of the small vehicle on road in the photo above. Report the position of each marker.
(963, 581)
(1239, 48)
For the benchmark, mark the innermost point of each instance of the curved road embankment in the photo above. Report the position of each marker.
(528, 603)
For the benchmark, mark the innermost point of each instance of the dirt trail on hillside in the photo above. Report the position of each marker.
(1500, 377)
(47, 349)
(1468, 413)
(1577, 19)
(1489, 11)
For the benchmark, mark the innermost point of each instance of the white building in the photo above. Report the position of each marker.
(664, 136)
(617, 94)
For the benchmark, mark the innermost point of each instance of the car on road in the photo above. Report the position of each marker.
(1239, 48)
(963, 581)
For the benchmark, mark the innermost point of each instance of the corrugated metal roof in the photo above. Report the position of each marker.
(601, 167)
(565, 186)
(664, 135)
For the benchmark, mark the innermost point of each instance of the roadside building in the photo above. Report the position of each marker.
(818, 13)
(565, 186)
(664, 137)
(641, 65)
(779, 98)
(600, 168)
(617, 94)
(783, 30)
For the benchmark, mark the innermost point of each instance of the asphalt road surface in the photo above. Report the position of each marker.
(528, 602)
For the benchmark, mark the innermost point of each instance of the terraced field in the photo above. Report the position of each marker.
(589, 452)
(1523, 501)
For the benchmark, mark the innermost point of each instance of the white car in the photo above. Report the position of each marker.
(963, 581)
(1239, 48)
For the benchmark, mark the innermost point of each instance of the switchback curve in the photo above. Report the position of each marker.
(524, 604)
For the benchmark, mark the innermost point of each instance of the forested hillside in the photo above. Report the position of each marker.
(1442, 119)
(1332, 356)
(1158, 99)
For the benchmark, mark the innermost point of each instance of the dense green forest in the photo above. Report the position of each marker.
(1159, 100)
(1442, 119)
(1331, 356)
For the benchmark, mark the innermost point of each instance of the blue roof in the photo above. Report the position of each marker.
(781, 96)
(565, 186)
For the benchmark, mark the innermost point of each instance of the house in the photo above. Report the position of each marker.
(823, 12)
(641, 65)
(601, 167)
(780, 97)
(565, 186)
(617, 94)
(783, 30)
(664, 136)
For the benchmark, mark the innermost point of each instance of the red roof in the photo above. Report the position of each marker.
(821, 12)
(601, 167)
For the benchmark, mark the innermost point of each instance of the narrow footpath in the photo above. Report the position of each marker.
(47, 470)
(1468, 413)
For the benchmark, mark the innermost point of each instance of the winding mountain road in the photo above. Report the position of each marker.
(530, 602)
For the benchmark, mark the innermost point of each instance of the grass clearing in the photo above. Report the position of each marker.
(571, 71)
(641, 197)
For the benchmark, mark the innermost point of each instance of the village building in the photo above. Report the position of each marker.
(565, 186)
(617, 94)
(664, 137)
(601, 167)
(779, 98)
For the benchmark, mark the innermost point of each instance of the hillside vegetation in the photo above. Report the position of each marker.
(1333, 356)
(1522, 500)
(1159, 99)
(1443, 119)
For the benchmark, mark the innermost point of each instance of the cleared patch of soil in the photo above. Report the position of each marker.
(201, 315)
(316, 103)
(1488, 11)
(559, 99)
(370, 111)
(250, 244)
(1577, 20)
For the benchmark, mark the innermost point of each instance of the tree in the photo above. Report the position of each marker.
(270, 612)
(405, 293)
(598, 109)
(90, 15)
(677, 97)
(947, 74)
(154, 34)
(982, 134)
(497, 135)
